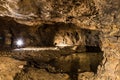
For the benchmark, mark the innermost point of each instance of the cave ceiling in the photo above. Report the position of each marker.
(90, 14)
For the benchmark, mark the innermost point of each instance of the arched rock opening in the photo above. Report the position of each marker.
(79, 48)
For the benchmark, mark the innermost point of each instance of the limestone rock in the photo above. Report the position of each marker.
(85, 76)
(40, 74)
(9, 67)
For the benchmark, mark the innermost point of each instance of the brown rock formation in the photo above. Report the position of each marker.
(100, 15)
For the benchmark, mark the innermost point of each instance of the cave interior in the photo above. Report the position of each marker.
(68, 38)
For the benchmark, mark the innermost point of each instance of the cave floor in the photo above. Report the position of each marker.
(47, 65)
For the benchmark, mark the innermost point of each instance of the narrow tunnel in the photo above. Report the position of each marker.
(83, 47)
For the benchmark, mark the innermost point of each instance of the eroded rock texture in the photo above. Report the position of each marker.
(47, 10)
(100, 15)
(9, 67)
(40, 74)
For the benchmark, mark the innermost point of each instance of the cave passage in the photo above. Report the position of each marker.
(81, 46)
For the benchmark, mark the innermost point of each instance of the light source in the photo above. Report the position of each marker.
(19, 42)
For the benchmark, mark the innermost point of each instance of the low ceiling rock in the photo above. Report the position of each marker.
(91, 14)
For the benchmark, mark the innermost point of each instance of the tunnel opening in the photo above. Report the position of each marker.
(82, 46)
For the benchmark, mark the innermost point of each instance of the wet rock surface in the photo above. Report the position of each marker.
(45, 65)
